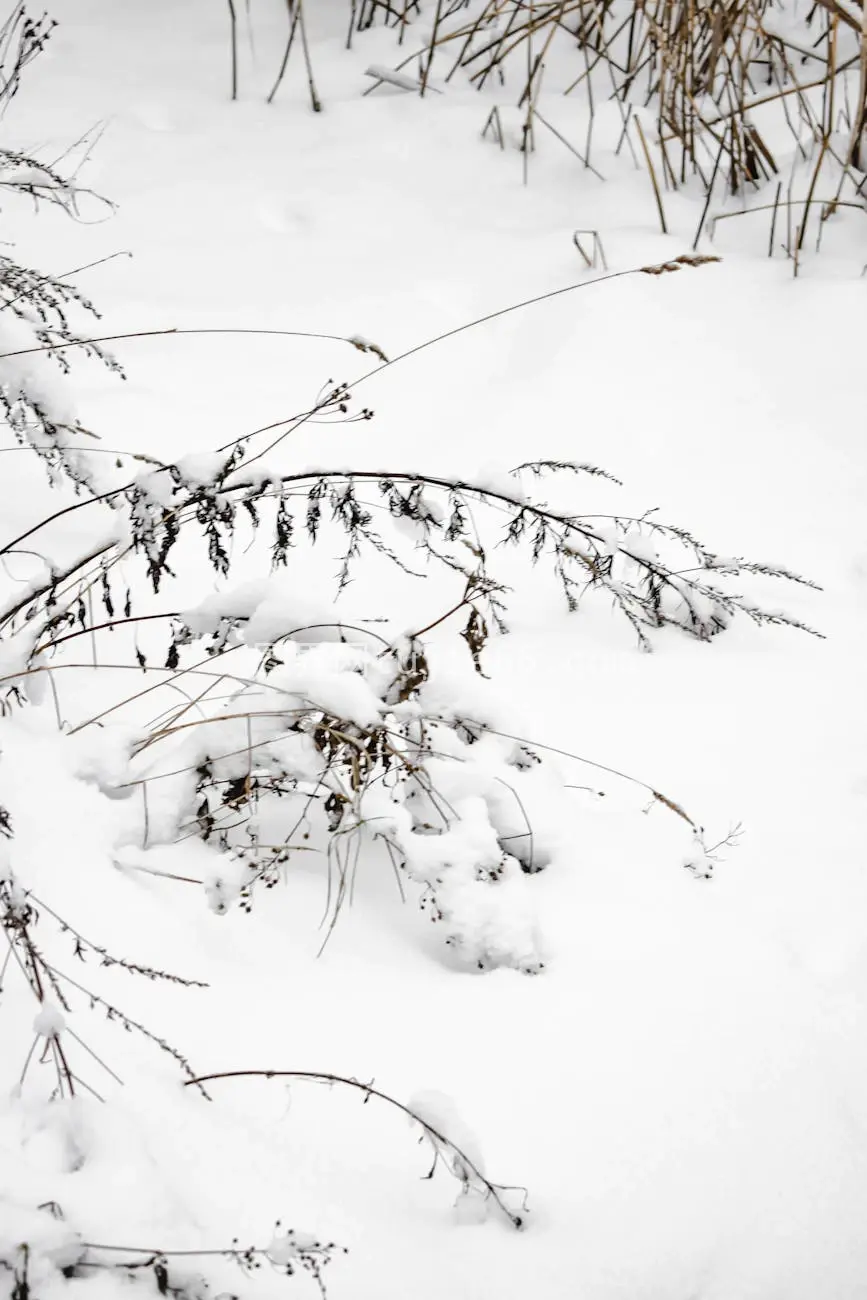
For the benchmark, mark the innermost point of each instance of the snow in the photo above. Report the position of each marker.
(49, 1021)
(287, 1246)
(202, 469)
(639, 546)
(439, 1112)
(680, 1085)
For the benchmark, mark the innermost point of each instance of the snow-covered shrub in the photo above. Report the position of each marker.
(320, 733)
(80, 1179)
(325, 734)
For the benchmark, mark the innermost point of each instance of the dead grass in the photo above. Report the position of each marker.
(714, 81)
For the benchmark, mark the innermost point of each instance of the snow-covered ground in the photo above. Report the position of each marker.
(682, 1090)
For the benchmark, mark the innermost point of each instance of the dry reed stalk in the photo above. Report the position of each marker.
(652, 170)
(297, 24)
(295, 16)
(855, 154)
(597, 258)
(315, 102)
(581, 157)
(233, 42)
(495, 126)
(428, 63)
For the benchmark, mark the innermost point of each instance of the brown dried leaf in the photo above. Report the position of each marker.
(413, 674)
(675, 808)
(365, 345)
(476, 635)
(685, 259)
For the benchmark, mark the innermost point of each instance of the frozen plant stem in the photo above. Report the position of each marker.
(441, 1143)
(233, 41)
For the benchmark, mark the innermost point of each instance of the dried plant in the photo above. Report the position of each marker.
(311, 752)
(279, 735)
(475, 1186)
(44, 312)
(181, 1274)
(703, 87)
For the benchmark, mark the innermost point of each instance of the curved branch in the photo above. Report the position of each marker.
(493, 1190)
